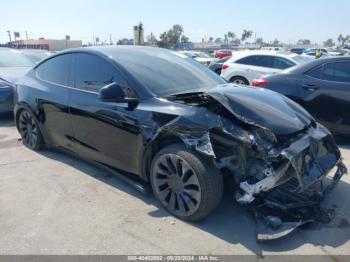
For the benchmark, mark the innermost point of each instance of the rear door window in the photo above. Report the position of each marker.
(315, 72)
(337, 72)
(56, 70)
(262, 61)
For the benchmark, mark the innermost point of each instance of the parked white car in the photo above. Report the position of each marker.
(245, 66)
(199, 56)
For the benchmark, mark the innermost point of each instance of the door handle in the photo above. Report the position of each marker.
(310, 87)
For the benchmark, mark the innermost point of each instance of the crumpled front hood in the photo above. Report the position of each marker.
(262, 108)
(13, 74)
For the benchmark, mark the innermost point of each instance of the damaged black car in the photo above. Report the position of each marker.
(161, 117)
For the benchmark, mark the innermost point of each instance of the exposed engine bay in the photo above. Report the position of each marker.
(279, 172)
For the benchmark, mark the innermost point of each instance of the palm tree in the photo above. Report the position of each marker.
(246, 34)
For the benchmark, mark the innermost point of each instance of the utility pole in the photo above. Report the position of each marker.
(9, 33)
(110, 39)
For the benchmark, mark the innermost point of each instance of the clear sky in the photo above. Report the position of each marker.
(287, 21)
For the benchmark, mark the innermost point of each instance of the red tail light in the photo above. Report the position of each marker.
(260, 82)
(225, 66)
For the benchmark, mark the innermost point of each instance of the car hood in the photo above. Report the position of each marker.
(262, 108)
(13, 74)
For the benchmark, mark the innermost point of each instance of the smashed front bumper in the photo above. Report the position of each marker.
(290, 195)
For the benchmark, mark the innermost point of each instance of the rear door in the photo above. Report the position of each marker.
(106, 132)
(261, 65)
(54, 87)
(325, 93)
(336, 83)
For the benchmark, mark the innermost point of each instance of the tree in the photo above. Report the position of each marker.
(303, 42)
(340, 38)
(232, 36)
(218, 40)
(329, 43)
(184, 39)
(172, 36)
(276, 42)
(343, 39)
(259, 41)
(226, 39)
(211, 39)
(246, 35)
(123, 41)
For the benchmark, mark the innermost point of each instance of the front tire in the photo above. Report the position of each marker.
(29, 130)
(187, 184)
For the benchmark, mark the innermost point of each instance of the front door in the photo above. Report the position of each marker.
(106, 132)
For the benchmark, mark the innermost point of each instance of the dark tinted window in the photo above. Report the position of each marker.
(338, 71)
(245, 61)
(56, 70)
(261, 60)
(93, 72)
(281, 63)
(165, 72)
(315, 72)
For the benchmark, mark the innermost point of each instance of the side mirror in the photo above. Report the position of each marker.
(114, 93)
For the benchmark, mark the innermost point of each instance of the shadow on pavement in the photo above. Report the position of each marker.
(231, 222)
(343, 141)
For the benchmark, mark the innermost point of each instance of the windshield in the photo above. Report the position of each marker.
(301, 59)
(13, 58)
(165, 72)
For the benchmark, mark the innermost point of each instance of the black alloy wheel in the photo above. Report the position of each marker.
(29, 131)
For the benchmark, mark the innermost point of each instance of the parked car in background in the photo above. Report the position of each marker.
(222, 53)
(36, 55)
(244, 66)
(298, 51)
(337, 52)
(217, 65)
(13, 65)
(312, 52)
(322, 87)
(273, 48)
(199, 56)
(165, 119)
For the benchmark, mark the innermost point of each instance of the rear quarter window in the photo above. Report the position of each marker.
(315, 72)
(55, 70)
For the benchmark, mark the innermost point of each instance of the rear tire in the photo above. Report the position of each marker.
(186, 183)
(29, 130)
(239, 80)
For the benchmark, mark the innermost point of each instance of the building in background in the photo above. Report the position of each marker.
(47, 44)
(139, 34)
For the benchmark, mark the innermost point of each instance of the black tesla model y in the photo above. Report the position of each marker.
(174, 123)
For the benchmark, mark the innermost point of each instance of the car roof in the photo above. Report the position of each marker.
(244, 53)
(299, 69)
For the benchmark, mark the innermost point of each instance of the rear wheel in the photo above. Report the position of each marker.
(186, 184)
(239, 80)
(29, 131)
